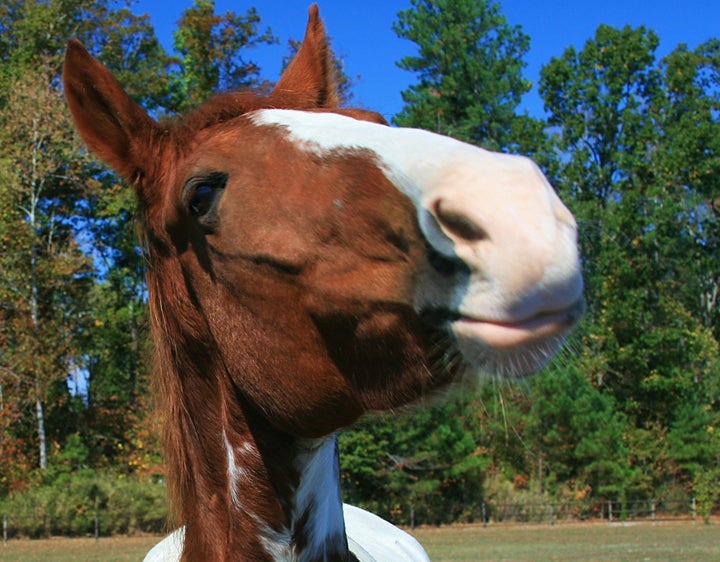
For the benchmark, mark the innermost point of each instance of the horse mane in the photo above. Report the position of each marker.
(181, 332)
(170, 352)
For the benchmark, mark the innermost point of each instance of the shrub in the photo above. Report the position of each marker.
(69, 504)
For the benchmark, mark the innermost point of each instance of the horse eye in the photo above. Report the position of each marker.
(203, 194)
(202, 199)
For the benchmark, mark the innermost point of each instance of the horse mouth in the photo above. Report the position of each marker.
(508, 335)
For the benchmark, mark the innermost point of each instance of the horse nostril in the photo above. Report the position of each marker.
(445, 265)
(459, 225)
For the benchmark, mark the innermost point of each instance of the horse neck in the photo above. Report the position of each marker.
(246, 490)
(278, 500)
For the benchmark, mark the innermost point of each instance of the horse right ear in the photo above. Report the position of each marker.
(308, 82)
(112, 125)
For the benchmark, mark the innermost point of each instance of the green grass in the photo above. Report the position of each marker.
(593, 542)
(120, 549)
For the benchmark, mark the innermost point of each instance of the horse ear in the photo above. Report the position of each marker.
(308, 81)
(112, 125)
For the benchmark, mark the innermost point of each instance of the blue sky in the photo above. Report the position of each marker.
(363, 36)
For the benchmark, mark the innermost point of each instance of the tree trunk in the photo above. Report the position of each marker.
(34, 301)
(42, 439)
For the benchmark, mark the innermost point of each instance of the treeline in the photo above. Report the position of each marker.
(630, 140)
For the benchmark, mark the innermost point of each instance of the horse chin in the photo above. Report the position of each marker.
(486, 362)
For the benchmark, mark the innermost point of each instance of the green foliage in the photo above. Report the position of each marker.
(46, 275)
(212, 52)
(425, 464)
(631, 142)
(707, 492)
(579, 431)
(469, 66)
(693, 443)
(68, 504)
(632, 170)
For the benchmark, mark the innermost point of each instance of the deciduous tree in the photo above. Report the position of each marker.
(51, 192)
(638, 166)
(213, 52)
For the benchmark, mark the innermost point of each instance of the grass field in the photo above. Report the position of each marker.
(592, 542)
(599, 542)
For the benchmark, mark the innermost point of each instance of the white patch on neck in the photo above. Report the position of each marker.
(319, 495)
(236, 473)
(278, 544)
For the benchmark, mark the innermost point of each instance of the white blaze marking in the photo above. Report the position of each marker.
(510, 190)
(410, 156)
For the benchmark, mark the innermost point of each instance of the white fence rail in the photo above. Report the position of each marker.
(609, 510)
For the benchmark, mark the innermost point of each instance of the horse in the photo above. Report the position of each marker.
(308, 264)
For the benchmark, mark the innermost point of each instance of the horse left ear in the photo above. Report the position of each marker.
(308, 81)
(112, 125)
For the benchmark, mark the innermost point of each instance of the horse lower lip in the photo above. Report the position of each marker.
(509, 335)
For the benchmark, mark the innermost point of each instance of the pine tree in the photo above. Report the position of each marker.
(469, 69)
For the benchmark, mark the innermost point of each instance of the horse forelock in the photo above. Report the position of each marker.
(220, 108)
